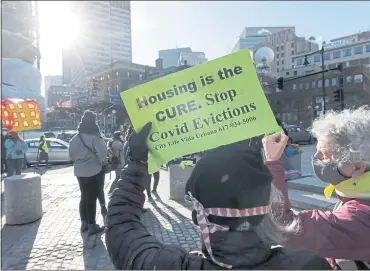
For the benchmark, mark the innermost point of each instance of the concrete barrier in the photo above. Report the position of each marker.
(22, 198)
(177, 180)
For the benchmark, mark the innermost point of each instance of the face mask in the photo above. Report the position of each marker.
(328, 173)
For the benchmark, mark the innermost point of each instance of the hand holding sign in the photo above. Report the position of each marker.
(216, 103)
(138, 150)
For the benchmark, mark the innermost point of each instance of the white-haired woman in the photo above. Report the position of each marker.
(342, 160)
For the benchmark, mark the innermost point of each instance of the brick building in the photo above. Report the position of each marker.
(301, 100)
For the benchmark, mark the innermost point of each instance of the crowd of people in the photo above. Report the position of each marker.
(239, 197)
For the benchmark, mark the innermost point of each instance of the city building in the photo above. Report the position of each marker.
(181, 56)
(301, 99)
(254, 36)
(60, 96)
(51, 80)
(351, 50)
(282, 40)
(20, 52)
(285, 45)
(104, 37)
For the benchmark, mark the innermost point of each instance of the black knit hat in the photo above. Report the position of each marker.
(232, 176)
(88, 117)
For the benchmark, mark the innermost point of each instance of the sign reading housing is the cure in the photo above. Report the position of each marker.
(216, 103)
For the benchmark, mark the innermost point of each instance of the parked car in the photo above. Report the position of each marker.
(66, 135)
(298, 135)
(58, 151)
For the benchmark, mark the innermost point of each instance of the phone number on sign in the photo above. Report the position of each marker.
(235, 124)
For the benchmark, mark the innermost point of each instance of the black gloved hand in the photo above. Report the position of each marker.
(137, 148)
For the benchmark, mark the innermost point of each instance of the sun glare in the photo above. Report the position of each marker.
(58, 25)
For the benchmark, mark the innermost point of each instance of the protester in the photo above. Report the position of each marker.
(342, 160)
(88, 152)
(4, 137)
(115, 153)
(15, 150)
(233, 184)
(43, 152)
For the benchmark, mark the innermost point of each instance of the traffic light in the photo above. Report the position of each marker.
(280, 83)
(338, 95)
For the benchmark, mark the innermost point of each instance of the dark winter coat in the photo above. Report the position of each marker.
(130, 246)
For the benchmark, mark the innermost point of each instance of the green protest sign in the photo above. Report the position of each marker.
(216, 103)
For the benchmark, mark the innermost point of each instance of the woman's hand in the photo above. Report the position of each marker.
(138, 151)
(274, 146)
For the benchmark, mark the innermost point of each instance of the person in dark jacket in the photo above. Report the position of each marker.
(231, 192)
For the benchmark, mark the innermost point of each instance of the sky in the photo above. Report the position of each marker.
(209, 26)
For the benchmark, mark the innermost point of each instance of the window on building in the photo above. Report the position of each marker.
(287, 73)
(358, 50)
(282, 47)
(349, 79)
(108, 76)
(277, 56)
(128, 74)
(358, 78)
(282, 68)
(292, 53)
(277, 70)
(299, 62)
(368, 48)
(336, 54)
(116, 74)
(292, 45)
(282, 62)
(294, 87)
(347, 52)
(319, 83)
(307, 85)
(282, 54)
(295, 73)
(327, 82)
(334, 82)
(317, 58)
(327, 56)
(277, 48)
(277, 63)
(313, 84)
(140, 76)
(300, 85)
(347, 64)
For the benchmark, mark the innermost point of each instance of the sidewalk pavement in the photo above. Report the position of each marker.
(55, 242)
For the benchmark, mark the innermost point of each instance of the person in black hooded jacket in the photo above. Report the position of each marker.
(237, 227)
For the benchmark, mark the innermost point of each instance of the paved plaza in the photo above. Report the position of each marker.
(55, 241)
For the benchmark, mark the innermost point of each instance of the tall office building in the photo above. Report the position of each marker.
(181, 56)
(20, 53)
(254, 36)
(104, 37)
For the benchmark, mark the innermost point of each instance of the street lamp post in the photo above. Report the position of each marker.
(113, 118)
(323, 73)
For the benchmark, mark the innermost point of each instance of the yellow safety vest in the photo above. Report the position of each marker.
(44, 147)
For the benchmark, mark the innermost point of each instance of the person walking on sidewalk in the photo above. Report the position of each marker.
(116, 155)
(4, 137)
(232, 195)
(88, 152)
(15, 150)
(342, 160)
(43, 152)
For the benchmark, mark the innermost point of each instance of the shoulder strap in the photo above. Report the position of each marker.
(87, 147)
